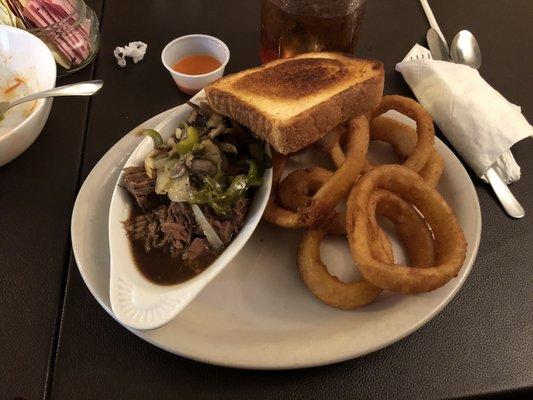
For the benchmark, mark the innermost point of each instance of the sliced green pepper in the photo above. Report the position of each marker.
(238, 186)
(200, 197)
(222, 201)
(222, 210)
(186, 145)
(213, 184)
(156, 137)
(253, 174)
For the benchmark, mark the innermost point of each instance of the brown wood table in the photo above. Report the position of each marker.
(57, 342)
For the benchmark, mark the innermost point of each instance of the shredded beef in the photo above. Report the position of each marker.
(141, 187)
(174, 229)
(168, 227)
(227, 227)
(198, 249)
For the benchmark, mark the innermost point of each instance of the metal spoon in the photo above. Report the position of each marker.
(465, 50)
(77, 89)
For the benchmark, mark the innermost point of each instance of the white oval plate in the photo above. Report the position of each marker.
(258, 313)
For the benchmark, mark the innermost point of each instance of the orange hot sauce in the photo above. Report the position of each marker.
(196, 64)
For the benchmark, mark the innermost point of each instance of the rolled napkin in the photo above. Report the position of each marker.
(477, 120)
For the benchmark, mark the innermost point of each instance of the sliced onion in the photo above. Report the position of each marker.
(162, 181)
(209, 231)
(178, 190)
(149, 166)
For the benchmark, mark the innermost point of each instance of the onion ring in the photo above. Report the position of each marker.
(403, 139)
(328, 288)
(300, 185)
(450, 243)
(273, 213)
(332, 191)
(424, 127)
(410, 226)
(338, 186)
(326, 142)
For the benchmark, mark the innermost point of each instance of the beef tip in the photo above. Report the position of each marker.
(146, 228)
(176, 235)
(223, 228)
(198, 250)
(178, 226)
(141, 187)
(227, 227)
(169, 227)
(183, 210)
(137, 227)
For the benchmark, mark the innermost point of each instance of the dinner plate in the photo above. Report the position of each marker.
(258, 313)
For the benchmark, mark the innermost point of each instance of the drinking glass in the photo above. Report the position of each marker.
(291, 27)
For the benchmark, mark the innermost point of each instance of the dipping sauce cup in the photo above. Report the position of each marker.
(195, 45)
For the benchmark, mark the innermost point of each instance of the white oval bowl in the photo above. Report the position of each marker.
(24, 53)
(136, 301)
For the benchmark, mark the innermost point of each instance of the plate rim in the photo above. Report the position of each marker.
(295, 364)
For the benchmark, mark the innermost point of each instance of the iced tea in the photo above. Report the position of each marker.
(290, 27)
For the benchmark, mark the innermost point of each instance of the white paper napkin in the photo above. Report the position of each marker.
(477, 120)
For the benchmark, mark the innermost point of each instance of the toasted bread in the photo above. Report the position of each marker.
(294, 102)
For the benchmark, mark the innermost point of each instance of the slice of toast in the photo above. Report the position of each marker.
(294, 102)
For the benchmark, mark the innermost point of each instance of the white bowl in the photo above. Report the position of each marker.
(28, 57)
(136, 301)
(195, 44)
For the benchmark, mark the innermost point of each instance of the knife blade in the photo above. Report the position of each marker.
(439, 49)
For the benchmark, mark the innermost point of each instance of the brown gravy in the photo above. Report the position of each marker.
(159, 267)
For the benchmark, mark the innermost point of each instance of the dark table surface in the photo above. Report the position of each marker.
(57, 342)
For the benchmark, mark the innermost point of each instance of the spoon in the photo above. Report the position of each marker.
(87, 88)
(465, 50)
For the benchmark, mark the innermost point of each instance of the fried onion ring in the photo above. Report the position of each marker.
(403, 139)
(300, 185)
(450, 243)
(326, 142)
(424, 127)
(298, 188)
(328, 288)
(273, 213)
(338, 186)
(331, 192)
(411, 228)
